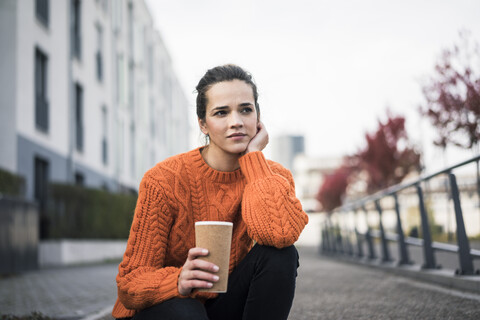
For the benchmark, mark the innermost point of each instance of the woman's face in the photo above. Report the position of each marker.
(231, 117)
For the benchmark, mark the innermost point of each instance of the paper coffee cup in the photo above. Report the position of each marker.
(216, 236)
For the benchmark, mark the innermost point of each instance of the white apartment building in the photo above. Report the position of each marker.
(87, 94)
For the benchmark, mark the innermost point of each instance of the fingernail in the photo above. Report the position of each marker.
(215, 268)
(209, 285)
(215, 278)
(204, 251)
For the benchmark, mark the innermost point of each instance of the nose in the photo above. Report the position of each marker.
(235, 120)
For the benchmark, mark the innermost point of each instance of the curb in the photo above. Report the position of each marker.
(442, 277)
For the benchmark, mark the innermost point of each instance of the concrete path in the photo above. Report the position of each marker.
(65, 293)
(326, 289)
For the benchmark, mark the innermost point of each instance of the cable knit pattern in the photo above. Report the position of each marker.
(259, 198)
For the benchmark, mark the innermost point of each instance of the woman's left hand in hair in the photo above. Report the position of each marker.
(259, 141)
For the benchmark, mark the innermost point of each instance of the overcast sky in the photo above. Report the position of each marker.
(324, 69)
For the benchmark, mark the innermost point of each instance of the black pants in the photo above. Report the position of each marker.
(262, 286)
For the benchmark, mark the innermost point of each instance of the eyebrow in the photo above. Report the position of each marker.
(219, 108)
(244, 104)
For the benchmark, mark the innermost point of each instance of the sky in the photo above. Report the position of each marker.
(327, 70)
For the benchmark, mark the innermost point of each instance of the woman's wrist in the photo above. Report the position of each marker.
(254, 166)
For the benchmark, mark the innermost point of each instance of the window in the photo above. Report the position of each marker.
(41, 173)
(98, 56)
(132, 150)
(76, 29)
(104, 135)
(117, 13)
(121, 141)
(41, 9)
(153, 117)
(105, 187)
(79, 117)
(121, 81)
(130, 28)
(41, 104)
(131, 86)
(103, 4)
(79, 179)
(150, 66)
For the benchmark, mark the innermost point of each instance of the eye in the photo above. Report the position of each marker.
(220, 113)
(247, 110)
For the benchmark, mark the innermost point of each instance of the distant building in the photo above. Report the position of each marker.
(87, 94)
(309, 175)
(285, 148)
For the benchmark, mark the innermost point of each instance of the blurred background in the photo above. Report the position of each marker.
(95, 92)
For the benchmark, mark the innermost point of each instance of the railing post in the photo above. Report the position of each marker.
(339, 238)
(332, 237)
(322, 237)
(349, 243)
(347, 239)
(325, 247)
(368, 237)
(478, 181)
(358, 236)
(466, 263)
(385, 251)
(402, 247)
(429, 257)
(328, 237)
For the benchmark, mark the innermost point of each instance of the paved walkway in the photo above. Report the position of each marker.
(66, 293)
(326, 289)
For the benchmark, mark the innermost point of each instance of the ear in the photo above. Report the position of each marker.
(203, 126)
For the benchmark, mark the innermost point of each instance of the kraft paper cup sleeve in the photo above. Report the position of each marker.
(216, 236)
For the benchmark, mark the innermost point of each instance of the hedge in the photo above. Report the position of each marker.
(80, 213)
(11, 184)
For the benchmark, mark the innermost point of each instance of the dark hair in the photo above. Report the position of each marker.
(218, 74)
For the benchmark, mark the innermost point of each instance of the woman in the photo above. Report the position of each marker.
(227, 180)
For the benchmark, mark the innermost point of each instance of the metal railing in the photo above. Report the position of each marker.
(338, 239)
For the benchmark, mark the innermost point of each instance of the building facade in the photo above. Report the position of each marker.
(309, 175)
(87, 94)
(285, 148)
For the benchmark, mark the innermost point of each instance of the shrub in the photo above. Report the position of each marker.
(11, 184)
(33, 316)
(80, 213)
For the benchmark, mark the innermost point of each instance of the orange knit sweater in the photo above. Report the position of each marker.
(259, 198)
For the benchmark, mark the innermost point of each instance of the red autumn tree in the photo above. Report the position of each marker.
(388, 156)
(334, 188)
(386, 159)
(452, 95)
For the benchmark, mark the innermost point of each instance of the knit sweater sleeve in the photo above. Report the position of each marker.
(143, 280)
(270, 209)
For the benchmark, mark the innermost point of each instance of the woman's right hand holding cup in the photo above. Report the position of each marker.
(196, 273)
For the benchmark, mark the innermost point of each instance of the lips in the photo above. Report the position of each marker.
(238, 134)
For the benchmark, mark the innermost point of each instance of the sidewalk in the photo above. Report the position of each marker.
(63, 293)
(326, 289)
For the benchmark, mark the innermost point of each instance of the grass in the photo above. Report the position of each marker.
(31, 316)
